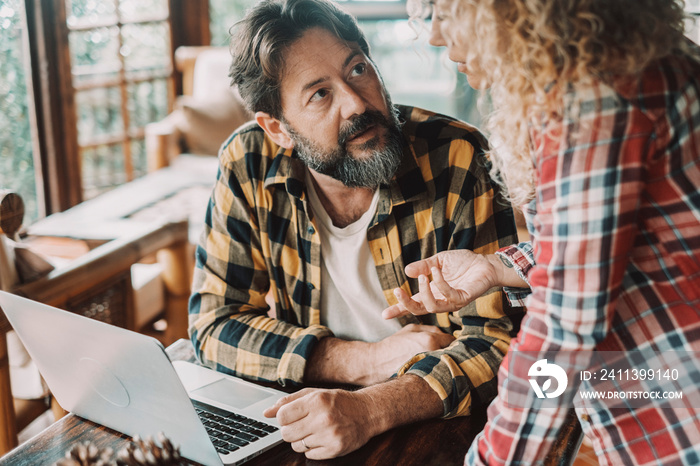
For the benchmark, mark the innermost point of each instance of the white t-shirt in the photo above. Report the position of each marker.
(352, 300)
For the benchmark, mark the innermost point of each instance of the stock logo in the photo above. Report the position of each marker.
(543, 369)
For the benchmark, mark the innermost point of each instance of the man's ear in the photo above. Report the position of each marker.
(275, 129)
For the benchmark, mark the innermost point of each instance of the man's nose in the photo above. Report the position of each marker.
(351, 102)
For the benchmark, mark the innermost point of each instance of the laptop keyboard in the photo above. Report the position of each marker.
(229, 431)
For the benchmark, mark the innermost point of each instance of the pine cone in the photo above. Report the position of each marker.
(148, 453)
(87, 454)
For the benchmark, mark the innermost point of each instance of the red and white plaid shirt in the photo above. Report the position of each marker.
(614, 263)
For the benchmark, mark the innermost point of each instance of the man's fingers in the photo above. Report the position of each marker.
(446, 339)
(274, 409)
(297, 446)
(307, 444)
(293, 411)
(320, 453)
(420, 328)
(297, 431)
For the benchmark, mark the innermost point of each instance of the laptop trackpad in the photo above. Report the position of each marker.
(238, 395)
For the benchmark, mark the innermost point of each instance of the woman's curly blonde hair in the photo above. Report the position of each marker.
(532, 50)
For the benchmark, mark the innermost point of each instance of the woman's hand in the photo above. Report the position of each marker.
(459, 277)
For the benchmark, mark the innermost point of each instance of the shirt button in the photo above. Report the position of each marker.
(310, 230)
(586, 418)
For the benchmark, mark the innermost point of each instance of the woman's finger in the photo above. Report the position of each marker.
(421, 267)
(406, 305)
(411, 304)
(394, 311)
(449, 294)
(425, 294)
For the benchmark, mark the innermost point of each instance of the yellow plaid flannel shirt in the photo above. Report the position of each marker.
(259, 235)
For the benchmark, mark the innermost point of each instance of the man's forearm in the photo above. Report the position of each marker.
(359, 363)
(339, 361)
(400, 401)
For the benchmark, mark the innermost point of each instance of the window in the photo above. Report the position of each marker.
(693, 27)
(79, 80)
(16, 154)
(223, 14)
(415, 73)
(122, 75)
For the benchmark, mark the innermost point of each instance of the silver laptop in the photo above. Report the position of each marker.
(125, 381)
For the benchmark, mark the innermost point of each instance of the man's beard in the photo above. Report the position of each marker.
(377, 167)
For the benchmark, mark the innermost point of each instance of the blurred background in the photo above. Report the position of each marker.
(80, 80)
(110, 64)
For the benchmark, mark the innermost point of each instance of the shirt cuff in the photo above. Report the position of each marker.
(447, 382)
(522, 258)
(292, 365)
(517, 297)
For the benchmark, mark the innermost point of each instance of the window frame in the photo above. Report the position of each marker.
(375, 10)
(52, 94)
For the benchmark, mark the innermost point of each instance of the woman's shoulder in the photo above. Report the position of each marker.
(660, 85)
(663, 83)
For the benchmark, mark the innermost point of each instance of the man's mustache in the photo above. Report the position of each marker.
(359, 124)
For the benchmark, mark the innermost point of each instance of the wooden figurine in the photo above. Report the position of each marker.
(11, 216)
(18, 264)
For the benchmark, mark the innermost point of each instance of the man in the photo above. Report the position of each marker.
(319, 204)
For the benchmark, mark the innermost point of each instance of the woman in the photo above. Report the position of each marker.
(597, 123)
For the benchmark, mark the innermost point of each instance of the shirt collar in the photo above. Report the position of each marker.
(287, 169)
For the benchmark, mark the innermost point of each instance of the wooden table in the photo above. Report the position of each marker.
(433, 442)
(438, 442)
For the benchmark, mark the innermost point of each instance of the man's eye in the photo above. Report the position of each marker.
(359, 69)
(318, 95)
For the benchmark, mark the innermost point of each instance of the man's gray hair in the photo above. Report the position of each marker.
(260, 39)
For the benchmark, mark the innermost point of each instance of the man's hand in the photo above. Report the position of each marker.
(325, 424)
(459, 277)
(331, 423)
(392, 352)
